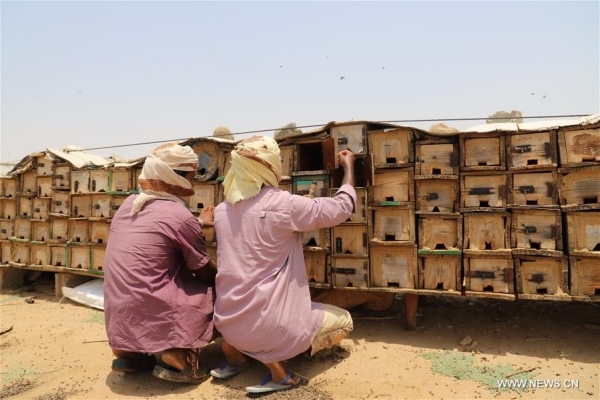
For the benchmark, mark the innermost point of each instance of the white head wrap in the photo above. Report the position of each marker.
(158, 179)
(254, 162)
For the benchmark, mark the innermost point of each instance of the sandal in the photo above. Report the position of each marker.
(142, 362)
(227, 371)
(193, 373)
(267, 385)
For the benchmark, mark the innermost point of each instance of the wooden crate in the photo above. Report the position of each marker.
(483, 191)
(80, 181)
(440, 272)
(534, 230)
(100, 205)
(436, 157)
(486, 231)
(40, 254)
(79, 256)
(583, 232)
(44, 186)
(494, 274)
(318, 183)
(99, 181)
(532, 150)
(314, 155)
(436, 195)
(347, 239)
(205, 195)
(393, 224)
(40, 230)
(585, 276)
(81, 206)
(316, 263)
(79, 230)
(440, 232)
(394, 185)
(391, 148)
(99, 231)
(579, 146)
(9, 187)
(58, 256)
(541, 276)
(534, 189)
(61, 179)
(7, 229)
(28, 183)
(20, 253)
(8, 208)
(482, 151)
(287, 160)
(349, 271)
(25, 205)
(393, 266)
(579, 186)
(59, 230)
(5, 252)
(60, 204)
(116, 203)
(120, 180)
(350, 136)
(97, 254)
(23, 228)
(43, 165)
(318, 238)
(360, 211)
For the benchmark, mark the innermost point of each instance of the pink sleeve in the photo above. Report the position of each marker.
(322, 212)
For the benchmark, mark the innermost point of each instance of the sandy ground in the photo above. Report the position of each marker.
(57, 350)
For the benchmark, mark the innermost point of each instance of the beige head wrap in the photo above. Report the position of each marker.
(254, 162)
(158, 179)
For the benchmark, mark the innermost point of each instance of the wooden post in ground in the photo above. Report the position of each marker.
(411, 300)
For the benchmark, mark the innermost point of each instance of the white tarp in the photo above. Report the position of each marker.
(90, 293)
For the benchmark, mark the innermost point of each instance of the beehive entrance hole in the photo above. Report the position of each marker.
(482, 163)
(597, 292)
(435, 209)
(389, 237)
(393, 284)
(484, 203)
(488, 246)
(542, 291)
(439, 286)
(390, 160)
(389, 198)
(436, 171)
(488, 288)
(440, 246)
(200, 205)
(532, 162)
(535, 245)
(531, 202)
(596, 247)
(311, 242)
(590, 200)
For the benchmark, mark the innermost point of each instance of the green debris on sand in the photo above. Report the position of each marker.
(96, 317)
(462, 366)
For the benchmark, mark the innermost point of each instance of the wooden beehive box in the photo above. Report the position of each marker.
(43, 165)
(225, 163)
(317, 238)
(81, 206)
(44, 184)
(9, 187)
(22, 229)
(9, 208)
(287, 153)
(205, 194)
(116, 203)
(482, 151)
(363, 173)
(283, 185)
(393, 224)
(349, 136)
(440, 232)
(349, 271)
(440, 271)
(541, 276)
(485, 191)
(532, 150)
(393, 185)
(20, 254)
(536, 231)
(40, 230)
(58, 256)
(436, 157)
(100, 205)
(5, 252)
(28, 183)
(61, 179)
(349, 239)
(7, 229)
(97, 254)
(40, 254)
(534, 189)
(585, 276)
(25, 205)
(579, 186)
(211, 157)
(436, 195)
(60, 204)
(583, 232)
(80, 181)
(316, 263)
(313, 155)
(319, 184)
(360, 212)
(99, 231)
(99, 181)
(135, 176)
(120, 180)
(393, 266)
(578, 146)
(492, 274)
(486, 231)
(79, 230)
(79, 256)
(59, 230)
(391, 148)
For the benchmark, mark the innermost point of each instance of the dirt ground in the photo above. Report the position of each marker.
(57, 350)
